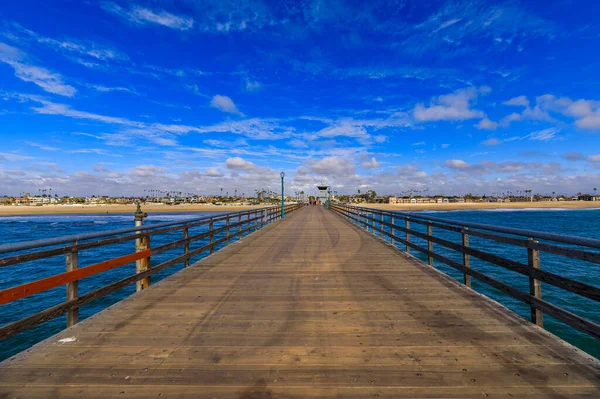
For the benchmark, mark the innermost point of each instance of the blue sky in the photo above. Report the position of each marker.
(443, 97)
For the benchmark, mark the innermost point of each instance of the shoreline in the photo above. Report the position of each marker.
(115, 209)
(191, 208)
(487, 205)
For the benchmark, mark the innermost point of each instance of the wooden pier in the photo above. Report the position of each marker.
(308, 307)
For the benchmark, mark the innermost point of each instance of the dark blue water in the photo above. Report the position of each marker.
(23, 228)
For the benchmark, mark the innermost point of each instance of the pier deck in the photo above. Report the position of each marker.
(308, 307)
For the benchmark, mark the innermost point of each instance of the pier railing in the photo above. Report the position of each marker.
(396, 227)
(236, 224)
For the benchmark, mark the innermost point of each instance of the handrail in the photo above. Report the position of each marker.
(253, 219)
(582, 241)
(532, 269)
(46, 242)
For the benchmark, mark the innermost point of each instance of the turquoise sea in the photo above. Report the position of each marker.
(583, 223)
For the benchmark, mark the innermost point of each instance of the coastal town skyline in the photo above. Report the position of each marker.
(119, 97)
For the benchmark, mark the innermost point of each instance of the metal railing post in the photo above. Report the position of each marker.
(535, 286)
(186, 246)
(466, 257)
(407, 234)
(429, 242)
(72, 287)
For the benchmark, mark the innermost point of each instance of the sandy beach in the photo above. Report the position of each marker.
(110, 209)
(503, 205)
(154, 208)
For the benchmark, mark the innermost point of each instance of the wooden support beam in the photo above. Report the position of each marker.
(186, 246)
(143, 264)
(466, 257)
(535, 285)
(72, 288)
(212, 236)
(430, 243)
(407, 234)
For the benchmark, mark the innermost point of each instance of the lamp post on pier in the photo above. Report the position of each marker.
(282, 196)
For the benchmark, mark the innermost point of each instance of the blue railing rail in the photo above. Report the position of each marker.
(375, 220)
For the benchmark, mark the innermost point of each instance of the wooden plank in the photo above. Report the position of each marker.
(308, 307)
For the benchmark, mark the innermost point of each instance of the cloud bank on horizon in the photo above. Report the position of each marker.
(452, 97)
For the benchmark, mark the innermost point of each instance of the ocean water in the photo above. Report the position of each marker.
(23, 228)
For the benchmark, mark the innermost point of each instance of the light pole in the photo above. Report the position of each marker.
(282, 197)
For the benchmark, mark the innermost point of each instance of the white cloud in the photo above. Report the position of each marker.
(486, 124)
(48, 81)
(586, 113)
(492, 141)
(594, 158)
(451, 107)
(332, 166)
(252, 85)
(347, 129)
(544, 135)
(370, 164)
(141, 16)
(11, 157)
(213, 172)
(42, 146)
(520, 101)
(17, 33)
(224, 104)
(238, 163)
(459, 165)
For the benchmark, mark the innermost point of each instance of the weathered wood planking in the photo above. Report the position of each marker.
(310, 307)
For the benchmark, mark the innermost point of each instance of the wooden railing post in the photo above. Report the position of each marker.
(407, 234)
(73, 287)
(535, 286)
(429, 242)
(466, 257)
(381, 226)
(239, 226)
(186, 246)
(212, 236)
(393, 231)
(142, 243)
(227, 229)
